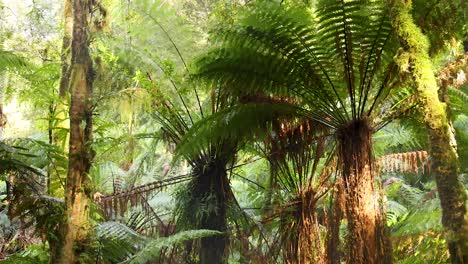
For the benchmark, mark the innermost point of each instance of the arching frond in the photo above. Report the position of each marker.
(118, 242)
(395, 211)
(459, 99)
(12, 159)
(285, 51)
(238, 122)
(10, 60)
(154, 247)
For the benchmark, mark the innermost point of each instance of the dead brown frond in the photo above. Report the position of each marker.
(414, 161)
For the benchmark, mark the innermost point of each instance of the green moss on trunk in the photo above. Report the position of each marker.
(77, 194)
(444, 157)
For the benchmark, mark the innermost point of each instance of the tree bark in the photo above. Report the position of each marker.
(444, 164)
(77, 194)
(368, 241)
(60, 139)
(213, 185)
(65, 55)
(334, 218)
(301, 232)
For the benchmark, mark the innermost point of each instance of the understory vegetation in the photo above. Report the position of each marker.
(233, 131)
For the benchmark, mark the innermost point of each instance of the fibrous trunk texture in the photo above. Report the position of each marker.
(334, 218)
(77, 194)
(301, 231)
(444, 157)
(212, 188)
(368, 240)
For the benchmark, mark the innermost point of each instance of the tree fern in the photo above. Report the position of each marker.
(334, 62)
(284, 52)
(121, 244)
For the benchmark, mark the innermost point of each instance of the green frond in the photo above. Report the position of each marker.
(12, 159)
(9, 60)
(412, 211)
(461, 127)
(401, 136)
(399, 104)
(238, 123)
(395, 212)
(410, 195)
(275, 52)
(459, 94)
(118, 242)
(426, 217)
(459, 99)
(154, 247)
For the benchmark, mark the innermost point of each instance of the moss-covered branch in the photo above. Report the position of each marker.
(444, 158)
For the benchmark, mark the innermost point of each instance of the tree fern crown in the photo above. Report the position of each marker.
(332, 61)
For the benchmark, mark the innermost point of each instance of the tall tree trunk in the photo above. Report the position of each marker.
(444, 157)
(59, 112)
(60, 137)
(77, 193)
(213, 248)
(65, 55)
(368, 241)
(211, 188)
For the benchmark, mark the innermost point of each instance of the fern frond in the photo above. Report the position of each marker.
(395, 212)
(404, 162)
(459, 93)
(459, 99)
(118, 242)
(153, 248)
(239, 122)
(12, 159)
(295, 52)
(426, 217)
(9, 60)
(117, 230)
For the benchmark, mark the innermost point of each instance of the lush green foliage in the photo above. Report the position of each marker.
(261, 87)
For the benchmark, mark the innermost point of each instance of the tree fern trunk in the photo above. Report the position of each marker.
(334, 218)
(368, 241)
(77, 193)
(212, 189)
(301, 233)
(444, 157)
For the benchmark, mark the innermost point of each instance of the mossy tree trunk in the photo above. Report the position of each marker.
(59, 137)
(77, 194)
(444, 157)
(368, 241)
(65, 55)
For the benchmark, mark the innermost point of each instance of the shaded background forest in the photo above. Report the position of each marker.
(225, 131)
